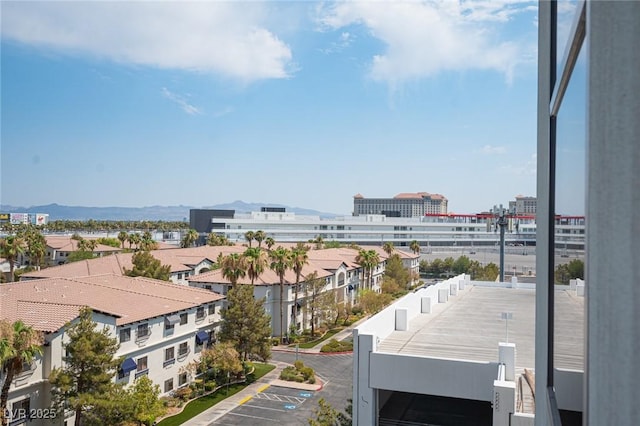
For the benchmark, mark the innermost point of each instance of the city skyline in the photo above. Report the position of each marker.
(298, 103)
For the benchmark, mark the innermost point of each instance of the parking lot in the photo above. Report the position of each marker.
(287, 406)
(273, 405)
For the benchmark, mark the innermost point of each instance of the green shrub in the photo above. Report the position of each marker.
(183, 393)
(209, 386)
(307, 373)
(298, 365)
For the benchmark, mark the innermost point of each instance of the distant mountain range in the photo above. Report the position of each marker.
(166, 213)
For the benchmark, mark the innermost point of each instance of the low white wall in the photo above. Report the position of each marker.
(569, 385)
(433, 376)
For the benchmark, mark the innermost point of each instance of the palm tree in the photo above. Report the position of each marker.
(122, 236)
(36, 246)
(259, 236)
(11, 248)
(147, 242)
(234, 267)
(415, 247)
(280, 262)
(190, 238)
(19, 344)
(249, 236)
(319, 242)
(257, 260)
(269, 242)
(134, 238)
(368, 259)
(299, 258)
(388, 247)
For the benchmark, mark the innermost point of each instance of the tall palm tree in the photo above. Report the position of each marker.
(249, 236)
(190, 238)
(319, 242)
(280, 262)
(259, 236)
(11, 247)
(388, 247)
(133, 238)
(415, 247)
(19, 344)
(122, 236)
(269, 242)
(36, 246)
(299, 258)
(234, 267)
(257, 260)
(368, 259)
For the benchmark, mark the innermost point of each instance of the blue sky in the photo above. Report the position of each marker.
(297, 103)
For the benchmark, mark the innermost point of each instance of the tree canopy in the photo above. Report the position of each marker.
(145, 265)
(245, 323)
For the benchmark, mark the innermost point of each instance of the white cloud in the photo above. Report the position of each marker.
(224, 38)
(526, 168)
(490, 149)
(181, 101)
(424, 38)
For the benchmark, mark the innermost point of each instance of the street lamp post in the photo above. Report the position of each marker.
(501, 214)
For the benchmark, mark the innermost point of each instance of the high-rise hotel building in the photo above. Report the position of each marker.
(406, 204)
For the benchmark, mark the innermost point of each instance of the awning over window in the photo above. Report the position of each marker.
(350, 287)
(172, 319)
(202, 336)
(128, 365)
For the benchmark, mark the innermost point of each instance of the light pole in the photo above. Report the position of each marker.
(501, 214)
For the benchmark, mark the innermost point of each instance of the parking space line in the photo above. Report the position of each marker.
(253, 417)
(264, 408)
(263, 387)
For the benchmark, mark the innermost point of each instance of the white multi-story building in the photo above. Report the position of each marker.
(337, 267)
(429, 230)
(160, 327)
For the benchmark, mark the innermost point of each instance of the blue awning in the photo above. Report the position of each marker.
(128, 365)
(350, 287)
(202, 336)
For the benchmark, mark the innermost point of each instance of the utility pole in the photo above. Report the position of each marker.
(501, 214)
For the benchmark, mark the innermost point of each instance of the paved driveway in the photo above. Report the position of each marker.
(271, 405)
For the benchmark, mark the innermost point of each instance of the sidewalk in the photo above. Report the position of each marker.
(343, 334)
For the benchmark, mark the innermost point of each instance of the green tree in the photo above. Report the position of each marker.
(11, 247)
(396, 271)
(576, 269)
(245, 323)
(415, 247)
(85, 383)
(269, 242)
(249, 236)
(19, 344)
(147, 242)
(222, 358)
(234, 267)
(314, 287)
(372, 302)
(189, 239)
(325, 415)
(280, 263)
(256, 260)
(36, 246)
(299, 258)
(388, 248)
(461, 265)
(145, 265)
(214, 239)
(134, 238)
(122, 236)
(368, 260)
(259, 236)
(144, 398)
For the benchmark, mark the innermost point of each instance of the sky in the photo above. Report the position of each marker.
(300, 103)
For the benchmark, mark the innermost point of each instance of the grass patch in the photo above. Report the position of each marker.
(197, 406)
(327, 335)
